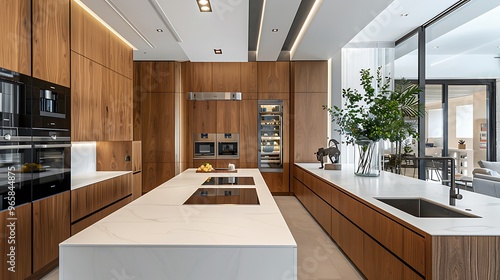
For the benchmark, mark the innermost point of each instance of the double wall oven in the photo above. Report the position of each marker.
(216, 146)
(35, 143)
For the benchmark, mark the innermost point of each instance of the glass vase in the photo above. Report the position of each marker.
(366, 158)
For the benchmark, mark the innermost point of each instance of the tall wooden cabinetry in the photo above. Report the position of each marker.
(16, 227)
(310, 122)
(15, 49)
(51, 41)
(101, 81)
(154, 83)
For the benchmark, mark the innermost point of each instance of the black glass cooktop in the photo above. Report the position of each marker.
(246, 196)
(229, 181)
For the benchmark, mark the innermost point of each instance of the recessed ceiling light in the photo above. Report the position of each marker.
(218, 51)
(274, 30)
(204, 5)
(404, 15)
(159, 30)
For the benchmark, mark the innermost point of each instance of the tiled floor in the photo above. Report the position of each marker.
(318, 257)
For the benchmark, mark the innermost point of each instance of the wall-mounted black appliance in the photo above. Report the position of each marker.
(228, 146)
(15, 108)
(51, 109)
(204, 146)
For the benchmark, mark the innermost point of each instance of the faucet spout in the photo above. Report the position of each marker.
(454, 191)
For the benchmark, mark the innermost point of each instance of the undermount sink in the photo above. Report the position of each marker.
(423, 208)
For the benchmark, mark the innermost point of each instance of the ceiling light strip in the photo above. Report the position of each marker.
(161, 13)
(118, 12)
(260, 28)
(305, 26)
(88, 10)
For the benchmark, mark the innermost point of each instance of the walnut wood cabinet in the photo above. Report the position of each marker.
(116, 102)
(15, 50)
(248, 133)
(20, 233)
(200, 77)
(228, 116)
(87, 200)
(226, 76)
(204, 116)
(136, 185)
(379, 246)
(51, 226)
(51, 41)
(273, 77)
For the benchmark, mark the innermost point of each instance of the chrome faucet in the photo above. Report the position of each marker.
(454, 191)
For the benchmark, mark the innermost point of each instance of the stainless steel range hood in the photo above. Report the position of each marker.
(214, 96)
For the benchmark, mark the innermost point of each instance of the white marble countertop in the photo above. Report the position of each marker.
(391, 185)
(159, 218)
(95, 177)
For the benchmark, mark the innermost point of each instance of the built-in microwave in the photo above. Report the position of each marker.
(228, 146)
(204, 146)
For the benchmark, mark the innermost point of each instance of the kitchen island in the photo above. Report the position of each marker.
(387, 243)
(158, 237)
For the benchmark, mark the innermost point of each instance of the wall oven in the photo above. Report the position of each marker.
(204, 146)
(15, 175)
(227, 146)
(52, 157)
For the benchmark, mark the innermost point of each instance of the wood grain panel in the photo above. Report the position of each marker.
(50, 46)
(274, 181)
(322, 213)
(116, 102)
(136, 156)
(273, 95)
(22, 235)
(155, 174)
(119, 56)
(84, 223)
(89, 199)
(273, 77)
(201, 76)
(15, 50)
(351, 242)
(223, 163)
(335, 225)
(310, 76)
(204, 114)
(228, 116)
(158, 129)
(380, 263)
(226, 76)
(112, 156)
(248, 77)
(136, 185)
(465, 257)
(51, 226)
(414, 250)
(137, 100)
(155, 76)
(310, 125)
(248, 131)
(89, 37)
(86, 89)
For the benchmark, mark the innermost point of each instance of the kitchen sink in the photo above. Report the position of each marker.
(423, 208)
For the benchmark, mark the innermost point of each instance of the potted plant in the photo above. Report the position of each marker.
(461, 144)
(378, 113)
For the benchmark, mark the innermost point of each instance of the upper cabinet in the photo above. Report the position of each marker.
(248, 78)
(310, 76)
(200, 76)
(116, 102)
(226, 76)
(51, 41)
(273, 77)
(15, 22)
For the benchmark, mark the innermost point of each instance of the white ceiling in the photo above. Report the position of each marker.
(337, 23)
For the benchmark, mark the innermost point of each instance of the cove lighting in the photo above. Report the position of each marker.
(204, 6)
(305, 26)
(80, 3)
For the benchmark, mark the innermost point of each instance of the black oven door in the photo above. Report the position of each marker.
(227, 150)
(54, 173)
(15, 177)
(14, 103)
(204, 149)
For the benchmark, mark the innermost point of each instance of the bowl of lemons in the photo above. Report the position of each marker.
(207, 167)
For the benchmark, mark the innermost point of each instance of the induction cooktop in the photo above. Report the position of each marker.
(246, 196)
(229, 181)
